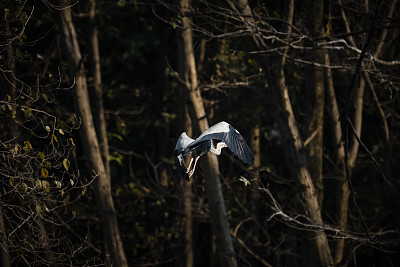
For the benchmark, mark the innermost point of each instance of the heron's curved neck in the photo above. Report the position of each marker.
(217, 150)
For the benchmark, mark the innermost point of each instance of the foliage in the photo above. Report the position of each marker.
(37, 185)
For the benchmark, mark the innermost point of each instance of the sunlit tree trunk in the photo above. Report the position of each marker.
(97, 91)
(294, 148)
(314, 108)
(102, 187)
(343, 191)
(213, 185)
(316, 101)
(293, 144)
(185, 122)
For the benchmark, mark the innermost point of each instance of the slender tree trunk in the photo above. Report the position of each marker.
(10, 62)
(187, 203)
(254, 196)
(5, 259)
(255, 145)
(102, 187)
(185, 122)
(294, 146)
(97, 91)
(316, 102)
(343, 189)
(213, 185)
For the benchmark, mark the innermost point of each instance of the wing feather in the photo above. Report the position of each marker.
(234, 140)
(182, 143)
(182, 167)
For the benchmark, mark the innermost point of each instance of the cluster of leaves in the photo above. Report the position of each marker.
(37, 182)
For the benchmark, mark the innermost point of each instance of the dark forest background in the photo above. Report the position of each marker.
(94, 94)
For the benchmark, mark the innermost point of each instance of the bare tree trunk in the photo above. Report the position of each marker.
(343, 191)
(213, 185)
(315, 131)
(254, 196)
(10, 62)
(294, 145)
(102, 187)
(185, 122)
(255, 145)
(5, 259)
(97, 92)
(343, 188)
(187, 203)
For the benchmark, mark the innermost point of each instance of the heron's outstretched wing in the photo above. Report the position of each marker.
(182, 143)
(231, 137)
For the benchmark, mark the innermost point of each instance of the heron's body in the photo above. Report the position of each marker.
(222, 131)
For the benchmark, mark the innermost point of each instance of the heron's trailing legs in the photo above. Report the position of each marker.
(190, 172)
(190, 164)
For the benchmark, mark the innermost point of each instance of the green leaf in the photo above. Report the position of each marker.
(41, 155)
(66, 164)
(38, 183)
(28, 145)
(55, 138)
(46, 208)
(71, 142)
(28, 113)
(38, 209)
(115, 156)
(44, 172)
(23, 188)
(44, 96)
(46, 186)
(47, 164)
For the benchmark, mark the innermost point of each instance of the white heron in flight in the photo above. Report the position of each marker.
(223, 132)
